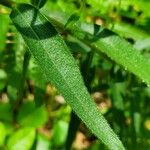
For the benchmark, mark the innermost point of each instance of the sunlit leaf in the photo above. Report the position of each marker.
(59, 133)
(21, 139)
(30, 112)
(3, 28)
(2, 133)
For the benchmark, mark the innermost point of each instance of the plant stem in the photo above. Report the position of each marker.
(23, 78)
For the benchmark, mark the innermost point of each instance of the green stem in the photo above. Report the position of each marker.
(23, 78)
(73, 128)
(85, 69)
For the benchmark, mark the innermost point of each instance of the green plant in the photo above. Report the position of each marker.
(49, 39)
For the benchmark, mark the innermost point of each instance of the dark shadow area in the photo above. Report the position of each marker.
(99, 32)
(43, 31)
(103, 34)
(35, 31)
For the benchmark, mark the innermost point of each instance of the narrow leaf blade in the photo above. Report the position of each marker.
(60, 68)
(124, 54)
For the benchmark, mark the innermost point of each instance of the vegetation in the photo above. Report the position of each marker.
(74, 74)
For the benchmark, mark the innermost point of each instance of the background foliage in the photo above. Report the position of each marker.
(33, 114)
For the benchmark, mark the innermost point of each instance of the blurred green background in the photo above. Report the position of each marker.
(33, 115)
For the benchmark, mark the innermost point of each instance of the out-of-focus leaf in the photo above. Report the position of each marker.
(142, 44)
(39, 82)
(130, 31)
(3, 78)
(72, 130)
(29, 112)
(59, 133)
(137, 122)
(42, 143)
(22, 139)
(6, 112)
(2, 133)
(117, 91)
(60, 68)
(3, 28)
(76, 45)
(142, 5)
(39, 92)
(14, 79)
(72, 21)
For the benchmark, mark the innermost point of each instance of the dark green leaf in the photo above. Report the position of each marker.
(60, 68)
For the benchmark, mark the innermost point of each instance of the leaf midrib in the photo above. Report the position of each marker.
(72, 91)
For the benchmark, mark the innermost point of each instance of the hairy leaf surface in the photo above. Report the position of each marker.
(60, 68)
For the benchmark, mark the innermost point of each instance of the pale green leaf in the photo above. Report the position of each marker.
(3, 29)
(22, 139)
(2, 133)
(29, 112)
(59, 133)
(130, 31)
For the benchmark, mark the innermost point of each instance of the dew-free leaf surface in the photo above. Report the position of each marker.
(22, 139)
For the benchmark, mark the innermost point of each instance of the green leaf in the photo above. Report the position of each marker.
(60, 68)
(59, 133)
(29, 112)
(3, 78)
(116, 92)
(142, 44)
(6, 112)
(73, 19)
(22, 139)
(4, 28)
(35, 75)
(124, 54)
(76, 45)
(130, 31)
(119, 50)
(42, 143)
(2, 133)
